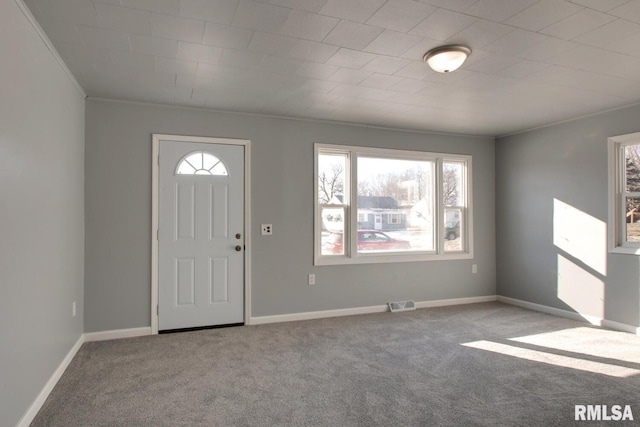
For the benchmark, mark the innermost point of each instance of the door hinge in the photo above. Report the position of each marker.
(158, 160)
(158, 310)
(158, 234)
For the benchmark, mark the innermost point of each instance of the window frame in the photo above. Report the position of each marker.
(351, 255)
(464, 210)
(618, 194)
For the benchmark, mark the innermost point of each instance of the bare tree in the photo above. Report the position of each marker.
(450, 190)
(632, 154)
(632, 181)
(366, 188)
(393, 184)
(330, 183)
(419, 176)
(383, 184)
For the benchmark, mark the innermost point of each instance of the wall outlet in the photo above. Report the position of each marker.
(474, 268)
(73, 309)
(267, 229)
(312, 279)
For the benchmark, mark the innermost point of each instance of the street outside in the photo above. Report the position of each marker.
(420, 240)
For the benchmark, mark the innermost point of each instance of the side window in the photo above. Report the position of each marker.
(332, 201)
(631, 193)
(453, 200)
(624, 193)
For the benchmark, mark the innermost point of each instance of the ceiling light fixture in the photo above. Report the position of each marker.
(445, 59)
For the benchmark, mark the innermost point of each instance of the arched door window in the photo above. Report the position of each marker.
(201, 163)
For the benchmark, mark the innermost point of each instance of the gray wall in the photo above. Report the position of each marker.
(41, 211)
(567, 162)
(118, 214)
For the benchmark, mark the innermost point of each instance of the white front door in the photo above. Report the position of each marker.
(378, 222)
(200, 235)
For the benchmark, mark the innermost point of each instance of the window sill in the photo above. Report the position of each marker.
(625, 250)
(380, 259)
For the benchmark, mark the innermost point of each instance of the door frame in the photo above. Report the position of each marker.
(155, 188)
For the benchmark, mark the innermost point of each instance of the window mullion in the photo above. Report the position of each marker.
(353, 204)
(620, 190)
(439, 206)
(622, 218)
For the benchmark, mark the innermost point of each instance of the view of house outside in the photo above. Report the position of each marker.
(395, 204)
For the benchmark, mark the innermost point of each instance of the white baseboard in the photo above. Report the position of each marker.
(611, 324)
(31, 413)
(292, 317)
(455, 301)
(597, 321)
(116, 334)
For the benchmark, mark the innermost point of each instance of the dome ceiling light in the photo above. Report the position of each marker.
(445, 59)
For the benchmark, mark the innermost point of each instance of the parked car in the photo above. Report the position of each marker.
(452, 230)
(368, 241)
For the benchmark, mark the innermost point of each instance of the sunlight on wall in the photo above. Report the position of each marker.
(550, 358)
(581, 235)
(620, 346)
(580, 289)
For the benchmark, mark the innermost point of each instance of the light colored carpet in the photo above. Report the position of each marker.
(482, 364)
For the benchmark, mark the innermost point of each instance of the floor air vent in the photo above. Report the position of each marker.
(395, 306)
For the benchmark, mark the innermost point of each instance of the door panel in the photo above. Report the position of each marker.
(219, 211)
(201, 222)
(185, 210)
(219, 279)
(185, 281)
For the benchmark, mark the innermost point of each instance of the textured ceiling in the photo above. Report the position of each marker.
(533, 62)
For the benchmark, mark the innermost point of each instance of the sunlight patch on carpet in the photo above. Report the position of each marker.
(554, 359)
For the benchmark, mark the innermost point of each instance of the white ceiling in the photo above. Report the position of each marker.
(533, 62)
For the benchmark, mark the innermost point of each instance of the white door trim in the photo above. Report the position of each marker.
(157, 137)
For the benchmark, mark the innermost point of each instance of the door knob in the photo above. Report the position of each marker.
(238, 236)
(238, 248)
